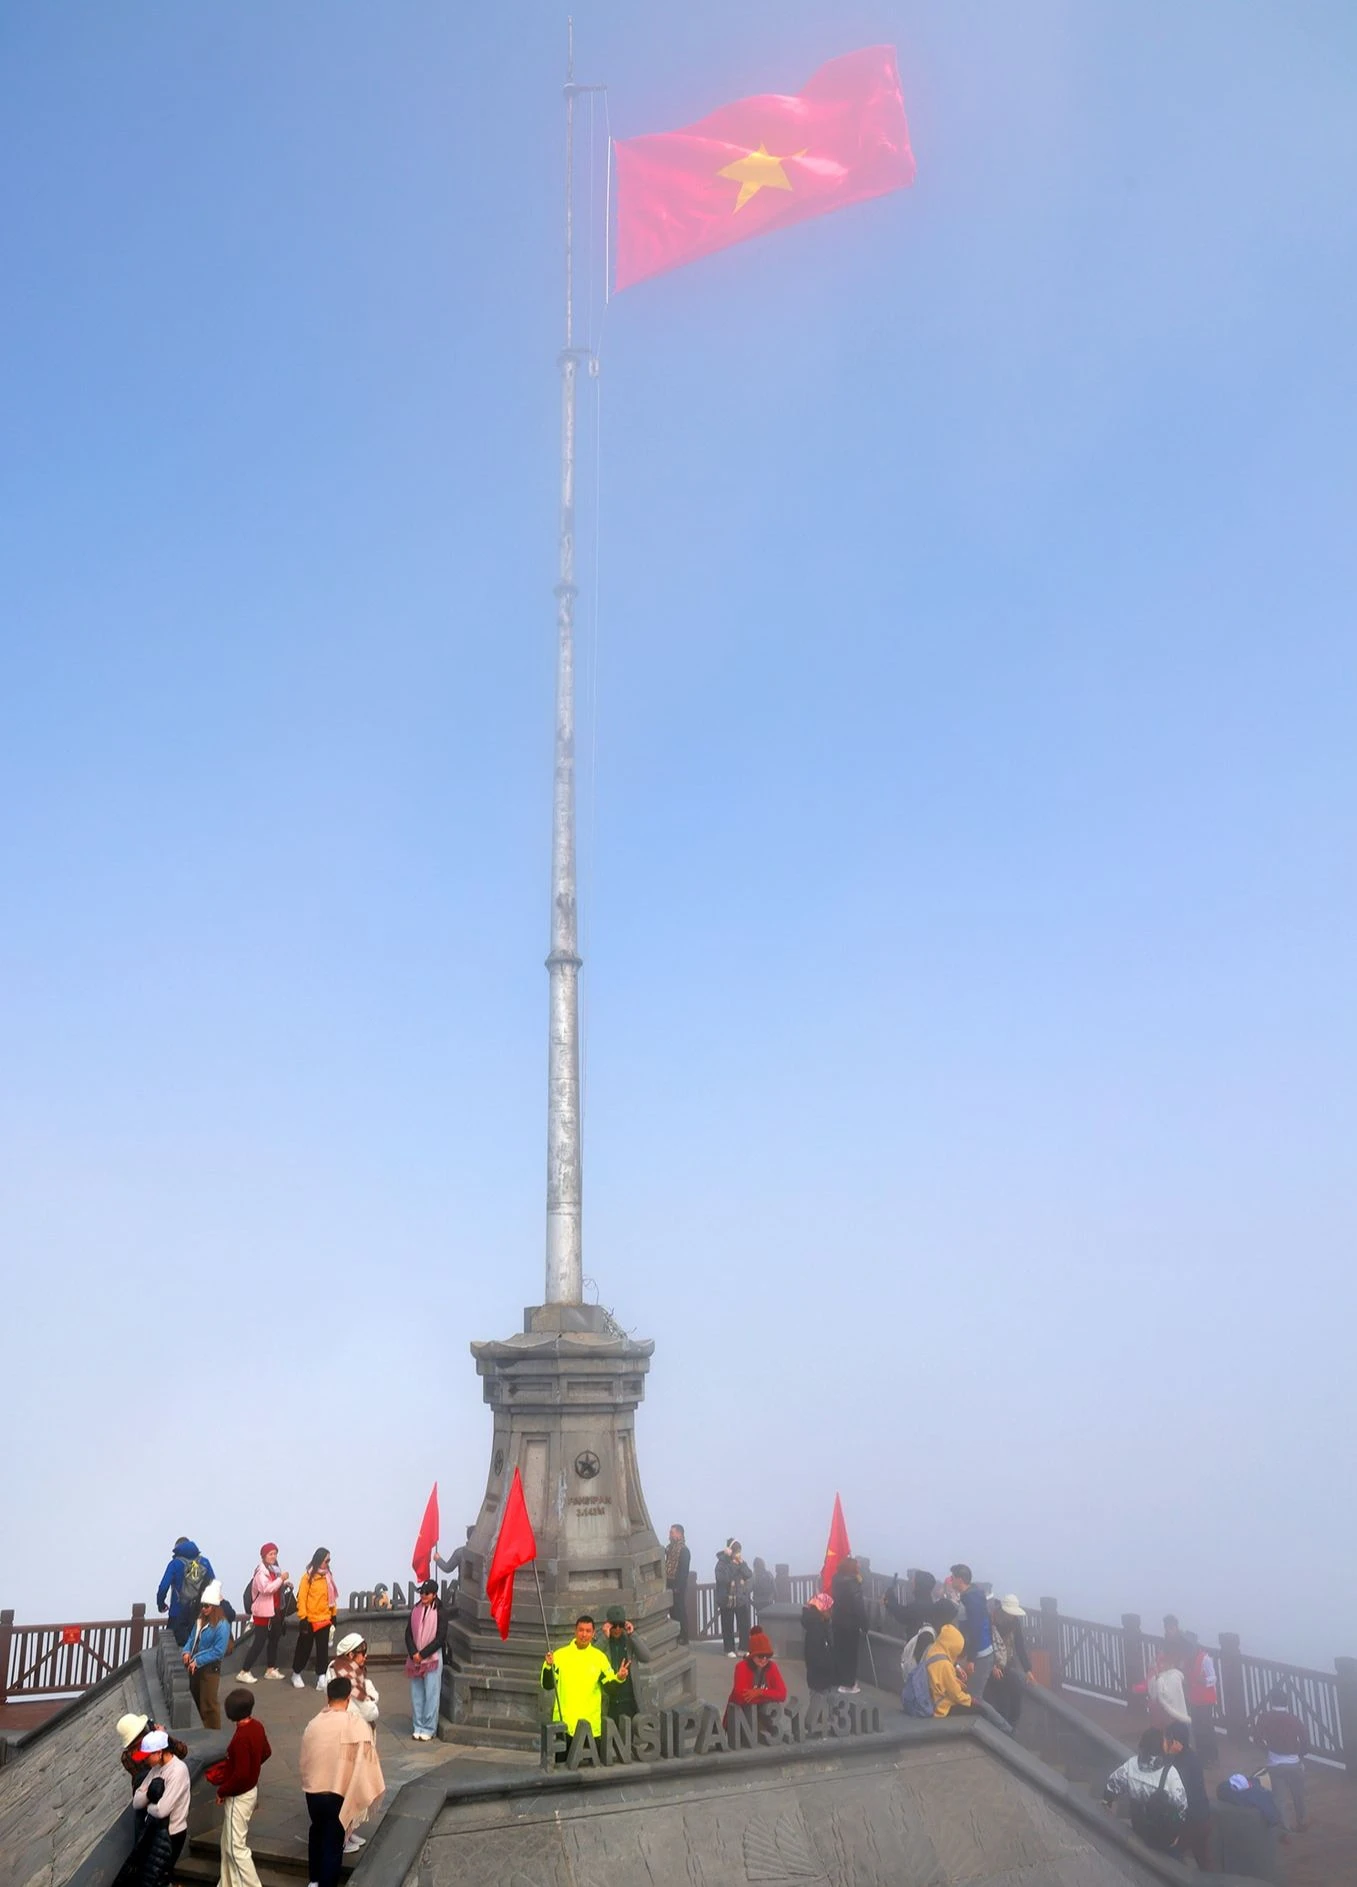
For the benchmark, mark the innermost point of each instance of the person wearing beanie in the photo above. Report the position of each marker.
(236, 1780)
(266, 1614)
(204, 1652)
(733, 1582)
(622, 1647)
(757, 1678)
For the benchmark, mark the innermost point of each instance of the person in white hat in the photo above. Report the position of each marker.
(351, 1661)
(1012, 1664)
(204, 1652)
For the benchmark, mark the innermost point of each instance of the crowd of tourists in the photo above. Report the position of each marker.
(340, 1770)
(959, 1649)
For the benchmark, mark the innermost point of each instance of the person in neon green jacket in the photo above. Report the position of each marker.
(577, 1674)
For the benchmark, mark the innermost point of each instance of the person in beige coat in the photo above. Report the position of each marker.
(342, 1778)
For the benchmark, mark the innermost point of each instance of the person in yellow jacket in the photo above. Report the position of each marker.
(577, 1674)
(944, 1682)
(317, 1603)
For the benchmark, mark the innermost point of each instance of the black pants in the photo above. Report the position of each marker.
(678, 1610)
(847, 1640)
(325, 1843)
(735, 1627)
(181, 1629)
(268, 1633)
(1004, 1691)
(310, 1638)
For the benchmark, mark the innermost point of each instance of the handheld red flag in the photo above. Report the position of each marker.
(515, 1547)
(838, 1549)
(762, 163)
(428, 1537)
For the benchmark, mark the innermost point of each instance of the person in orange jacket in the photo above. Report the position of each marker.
(317, 1604)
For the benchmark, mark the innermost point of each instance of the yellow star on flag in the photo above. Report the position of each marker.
(758, 171)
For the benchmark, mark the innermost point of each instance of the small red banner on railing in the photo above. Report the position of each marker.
(71, 1634)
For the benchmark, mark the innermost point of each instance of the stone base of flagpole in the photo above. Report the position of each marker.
(564, 1395)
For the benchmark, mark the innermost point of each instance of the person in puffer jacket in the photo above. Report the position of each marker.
(945, 1687)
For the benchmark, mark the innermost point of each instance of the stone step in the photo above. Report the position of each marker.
(281, 1859)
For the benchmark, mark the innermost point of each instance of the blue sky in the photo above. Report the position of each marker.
(967, 818)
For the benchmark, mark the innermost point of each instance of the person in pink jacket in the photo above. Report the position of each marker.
(266, 1614)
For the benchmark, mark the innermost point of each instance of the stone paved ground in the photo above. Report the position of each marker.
(1325, 1855)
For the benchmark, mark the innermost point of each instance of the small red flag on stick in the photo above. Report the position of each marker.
(428, 1537)
(838, 1549)
(515, 1547)
(760, 164)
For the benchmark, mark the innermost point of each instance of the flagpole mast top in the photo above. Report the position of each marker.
(565, 1205)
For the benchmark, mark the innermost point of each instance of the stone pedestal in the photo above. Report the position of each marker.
(564, 1395)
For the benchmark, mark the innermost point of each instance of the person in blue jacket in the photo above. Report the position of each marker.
(180, 1590)
(203, 1653)
(977, 1658)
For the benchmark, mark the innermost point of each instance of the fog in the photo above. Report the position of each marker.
(967, 794)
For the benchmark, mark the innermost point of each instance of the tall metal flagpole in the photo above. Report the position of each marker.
(565, 1196)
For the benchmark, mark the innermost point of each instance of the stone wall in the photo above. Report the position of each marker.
(63, 1791)
(910, 1815)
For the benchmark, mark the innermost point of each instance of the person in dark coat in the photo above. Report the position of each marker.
(623, 1647)
(849, 1624)
(816, 1625)
(733, 1581)
(916, 1611)
(1012, 1670)
(1195, 1838)
(678, 1565)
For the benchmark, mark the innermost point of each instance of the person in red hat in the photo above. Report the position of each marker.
(266, 1614)
(757, 1678)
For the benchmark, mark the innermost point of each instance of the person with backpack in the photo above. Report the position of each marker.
(1152, 1790)
(207, 1646)
(1287, 1743)
(1194, 1837)
(934, 1688)
(733, 1581)
(266, 1608)
(181, 1587)
(317, 1604)
(818, 1632)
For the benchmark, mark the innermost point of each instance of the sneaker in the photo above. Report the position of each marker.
(277, 1674)
(732, 1654)
(850, 1690)
(321, 1681)
(297, 1682)
(354, 1843)
(246, 1677)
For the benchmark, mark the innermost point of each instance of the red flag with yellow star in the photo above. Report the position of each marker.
(760, 164)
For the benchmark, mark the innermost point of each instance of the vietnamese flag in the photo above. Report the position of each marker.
(515, 1547)
(761, 164)
(428, 1537)
(838, 1549)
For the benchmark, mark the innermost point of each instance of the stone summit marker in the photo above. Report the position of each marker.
(564, 1389)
